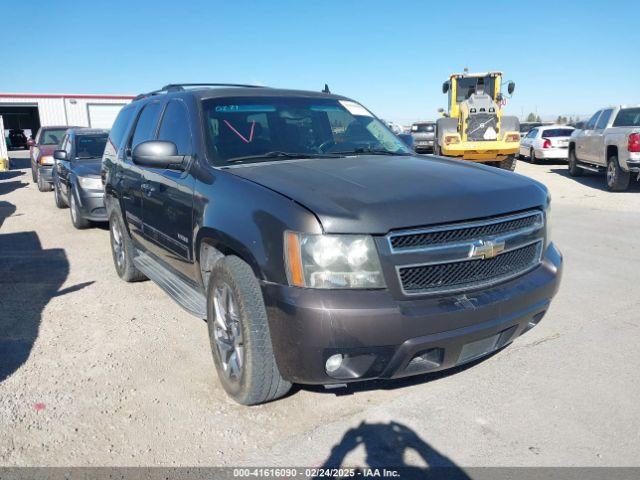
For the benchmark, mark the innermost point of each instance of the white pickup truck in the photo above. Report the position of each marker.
(610, 141)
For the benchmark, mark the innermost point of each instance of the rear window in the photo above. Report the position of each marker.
(557, 132)
(423, 127)
(52, 137)
(628, 117)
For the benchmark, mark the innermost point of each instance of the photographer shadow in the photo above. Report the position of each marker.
(387, 446)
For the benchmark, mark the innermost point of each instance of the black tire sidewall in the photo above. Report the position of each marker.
(621, 179)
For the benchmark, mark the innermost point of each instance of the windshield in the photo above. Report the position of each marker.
(268, 128)
(628, 117)
(52, 137)
(422, 127)
(469, 85)
(557, 132)
(90, 146)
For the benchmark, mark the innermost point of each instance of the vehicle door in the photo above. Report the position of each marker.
(168, 200)
(526, 142)
(63, 167)
(596, 140)
(131, 175)
(583, 139)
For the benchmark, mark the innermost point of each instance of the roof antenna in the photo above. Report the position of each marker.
(326, 89)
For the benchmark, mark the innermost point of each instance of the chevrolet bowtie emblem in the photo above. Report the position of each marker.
(486, 249)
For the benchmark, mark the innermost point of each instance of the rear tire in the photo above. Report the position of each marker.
(508, 163)
(122, 250)
(42, 185)
(617, 179)
(574, 169)
(239, 335)
(532, 157)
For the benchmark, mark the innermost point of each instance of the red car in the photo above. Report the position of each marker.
(41, 152)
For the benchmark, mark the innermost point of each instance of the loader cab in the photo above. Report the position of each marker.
(461, 86)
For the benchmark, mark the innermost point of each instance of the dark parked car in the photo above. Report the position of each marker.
(423, 133)
(17, 139)
(41, 153)
(76, 175)
(319, 249)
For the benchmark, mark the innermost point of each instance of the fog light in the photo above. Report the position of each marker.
(333, 363)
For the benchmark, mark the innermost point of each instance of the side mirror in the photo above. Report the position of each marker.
(511, 87)
(30, 142)
(60, 155)
(445, 87)
(159, 154)
(440, 110)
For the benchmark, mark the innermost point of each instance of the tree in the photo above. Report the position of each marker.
(531, 117)
(538, 119)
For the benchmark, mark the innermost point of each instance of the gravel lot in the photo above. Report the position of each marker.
(94, 371)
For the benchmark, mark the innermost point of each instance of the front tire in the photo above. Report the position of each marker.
(43, 186)
(617, 179)
(574, 169)
(239, 335)
(60, 203)
(76, 216)
(508, 163)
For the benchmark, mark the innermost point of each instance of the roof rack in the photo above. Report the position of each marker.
(180, 87)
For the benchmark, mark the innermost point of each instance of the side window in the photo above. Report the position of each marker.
(592, 121)
(146, 125)
(175, 127)
(533, 133)
(604, 119)
(66, 144)
(120, 127)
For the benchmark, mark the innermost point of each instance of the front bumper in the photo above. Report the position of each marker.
(552, 153)
(91, 205)
(382, 337)
(481, 151)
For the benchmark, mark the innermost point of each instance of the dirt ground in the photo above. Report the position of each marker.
(95, 371)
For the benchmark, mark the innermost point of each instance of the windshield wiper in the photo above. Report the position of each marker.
(372, 151)
(279, 154)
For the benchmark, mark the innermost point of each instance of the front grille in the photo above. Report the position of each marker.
(478, 124)
(469, 273)
(463, 233)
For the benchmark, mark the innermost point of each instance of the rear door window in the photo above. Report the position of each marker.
(147, 124)
(592, 121)
(120, 127)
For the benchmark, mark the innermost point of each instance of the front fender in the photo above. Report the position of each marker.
(239, 217)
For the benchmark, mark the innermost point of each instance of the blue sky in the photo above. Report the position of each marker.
(566, 57)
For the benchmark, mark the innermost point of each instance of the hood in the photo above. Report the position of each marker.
(87, 168)
(376, 194)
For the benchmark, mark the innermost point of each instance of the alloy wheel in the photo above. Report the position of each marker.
(228, 331)
(117, 244)
(611, 173)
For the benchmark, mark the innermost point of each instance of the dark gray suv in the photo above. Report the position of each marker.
(318, 248)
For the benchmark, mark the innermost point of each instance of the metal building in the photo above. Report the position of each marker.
(28, 112)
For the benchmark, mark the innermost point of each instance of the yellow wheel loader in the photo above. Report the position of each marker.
(474, 127)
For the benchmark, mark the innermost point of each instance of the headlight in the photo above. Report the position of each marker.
(90, 183)
(332, 261)
(46, 160)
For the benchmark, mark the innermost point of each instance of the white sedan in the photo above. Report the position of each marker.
(548, 142)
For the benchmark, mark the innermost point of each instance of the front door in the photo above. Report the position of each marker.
(168, 197)
(596, 140)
